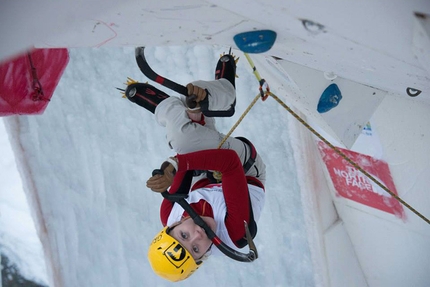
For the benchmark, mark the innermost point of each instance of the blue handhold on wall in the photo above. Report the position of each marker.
(329, 99)
(255, 41)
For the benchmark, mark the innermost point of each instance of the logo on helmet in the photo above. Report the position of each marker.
(176, 254)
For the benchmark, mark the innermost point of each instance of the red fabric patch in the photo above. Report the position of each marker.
(159, 80)
(203, 208)
(350, 183)
(20, 76)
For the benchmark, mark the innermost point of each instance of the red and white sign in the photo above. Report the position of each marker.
(28, 81)
(350, 183)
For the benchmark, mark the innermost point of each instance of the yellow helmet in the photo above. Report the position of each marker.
(169, 259)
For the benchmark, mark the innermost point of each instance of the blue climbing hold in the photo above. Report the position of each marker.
(255, 42)
(329, 99)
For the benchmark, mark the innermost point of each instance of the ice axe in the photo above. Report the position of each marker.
(224, 248)
(152, 75)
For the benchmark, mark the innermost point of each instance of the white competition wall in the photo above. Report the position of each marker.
(335, 262)
(395, 252)
(357, 245)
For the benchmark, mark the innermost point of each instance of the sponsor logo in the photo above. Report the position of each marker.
(351, 184)
(176, 254)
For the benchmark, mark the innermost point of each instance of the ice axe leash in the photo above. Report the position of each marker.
(224, 248)
(152, 75)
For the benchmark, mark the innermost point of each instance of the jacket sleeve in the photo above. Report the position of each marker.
(221, 94)
(234, 185)
(181, 184)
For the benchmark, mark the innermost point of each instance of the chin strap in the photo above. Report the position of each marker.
(224, 248)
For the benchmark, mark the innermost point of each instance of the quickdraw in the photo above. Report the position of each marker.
(264, 87)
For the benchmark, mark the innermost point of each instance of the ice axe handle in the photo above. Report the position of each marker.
(157, 171)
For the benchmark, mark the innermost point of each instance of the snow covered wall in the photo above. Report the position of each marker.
(82, 160)
(86, 159)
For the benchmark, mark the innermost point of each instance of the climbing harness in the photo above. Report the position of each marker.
(251, 160)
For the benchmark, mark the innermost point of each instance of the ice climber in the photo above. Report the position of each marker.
(180, 248)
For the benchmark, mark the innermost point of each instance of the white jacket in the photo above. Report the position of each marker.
(214, 196)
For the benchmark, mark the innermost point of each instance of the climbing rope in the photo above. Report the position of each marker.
(216, 174)
(350, 161)
(265, 92)
(239, 120)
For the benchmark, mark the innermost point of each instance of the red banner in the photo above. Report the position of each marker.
(350, 183)
(28, 81)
